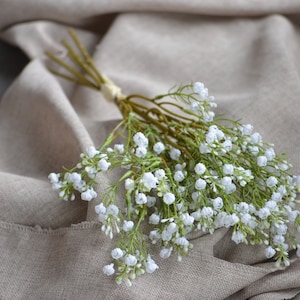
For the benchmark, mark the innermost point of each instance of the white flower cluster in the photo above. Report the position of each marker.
(91, 164)
(206, 102)
(206, 177)
(132, 265)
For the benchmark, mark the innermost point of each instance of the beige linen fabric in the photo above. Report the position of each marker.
(246, 52)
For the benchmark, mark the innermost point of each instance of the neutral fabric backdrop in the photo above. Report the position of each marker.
(246, 52)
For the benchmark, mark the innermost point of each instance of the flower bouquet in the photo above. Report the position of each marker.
(183, 169)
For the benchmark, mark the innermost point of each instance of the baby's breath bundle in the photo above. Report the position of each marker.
(184, 170)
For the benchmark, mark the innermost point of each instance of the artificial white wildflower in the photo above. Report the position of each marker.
(182, 241)
(150, 201)
(198, 87)
(245, 218)
(91, 151)
(140, 198)
(246, 129)
(160, 174)
(150, 265)
(169, 198)
(296, 180)
(168, 232)
(180, 206)
(221, 219)
(238, 237)
(119, 148)
(171, 228)
(166, 253)
(127, 225)
(271, 205)
(276, 196)
(254, 150)
(117, 253)
(53, 177)
(278, 239)
(228, 169)
(226, 181)
(271, 181)
(270, 252)
(204, 148)
(194, 106)
(141, 152)
(159, 148)
(196, 214)
(262, 161)
(200, 169)
(166, 235)
(263, 213)
(175, 153)
(200, 184)
(109, 269)
(80, 185)
(178, 176)
(291, 214)
(180, 167)
(130, 260)
(100, 209)
(140, 140)
(149, 181)
(227, 146)
(256, 138)
(227, 184)
(204, 93)
(112, 210)
(57, 185)
(270, 153)
(281, 229)
(208, 116)
(74, 177)
(283, 166)
(88, 195)
(207, 212)
(154, 236)
(233, 219)
(187, 219)
(242, 207)
(91, 171)
(219, 134)
(217, 203)
(104, 165)
(210, 137)
(129, 184)
(154, 219)
(61, 194)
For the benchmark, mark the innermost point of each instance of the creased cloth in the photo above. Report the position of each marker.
(247, 54)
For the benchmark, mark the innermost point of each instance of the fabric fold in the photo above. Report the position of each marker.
(245, 52)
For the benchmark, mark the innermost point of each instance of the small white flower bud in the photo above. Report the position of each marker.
(154, 219)
(117, 253)
(200, 169)
(129, 184)
(200, 184)
(140, 140)
(130, 260)
(140, 198)
(109, 269)
(169, 198)
(127, 225)
(158, 148)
